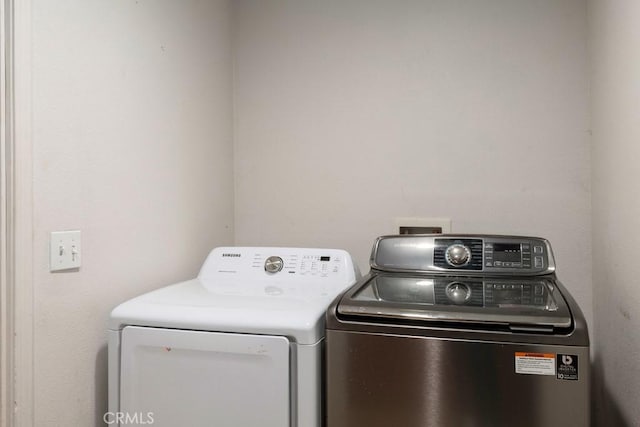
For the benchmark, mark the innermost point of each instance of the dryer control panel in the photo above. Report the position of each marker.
(265, 265)
(463, 254)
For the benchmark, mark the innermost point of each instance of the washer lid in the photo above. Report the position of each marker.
(517, 303)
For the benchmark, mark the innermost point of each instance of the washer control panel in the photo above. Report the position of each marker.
(513, 255)
(472, 254)
(458, 254)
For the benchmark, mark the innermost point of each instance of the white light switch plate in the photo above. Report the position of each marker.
(65, 250)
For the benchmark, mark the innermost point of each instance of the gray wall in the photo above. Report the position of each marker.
(346, 115)
(349, 114)
(132, 144)
(615, 58)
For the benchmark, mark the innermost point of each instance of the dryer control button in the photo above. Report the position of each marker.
(273, 264)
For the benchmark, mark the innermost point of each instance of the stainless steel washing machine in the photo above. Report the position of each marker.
(457, 330)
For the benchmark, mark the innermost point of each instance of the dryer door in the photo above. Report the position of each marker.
(173, 377)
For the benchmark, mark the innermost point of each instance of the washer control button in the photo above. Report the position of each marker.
(457, 255)
(273, 264)
(537, 262)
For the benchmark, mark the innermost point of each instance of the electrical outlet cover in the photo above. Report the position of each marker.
(417, 223)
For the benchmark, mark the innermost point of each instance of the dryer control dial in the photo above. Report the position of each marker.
(457, 255)
(273, 264)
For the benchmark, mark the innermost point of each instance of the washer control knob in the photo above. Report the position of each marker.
(457, 255)
(458, 292)
(273, 264)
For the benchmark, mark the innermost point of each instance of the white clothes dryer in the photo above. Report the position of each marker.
(239, 346)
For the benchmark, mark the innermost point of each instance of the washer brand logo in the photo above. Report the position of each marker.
(567, 367)
(231, 255)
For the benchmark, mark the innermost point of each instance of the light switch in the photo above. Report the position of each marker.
(65, 250)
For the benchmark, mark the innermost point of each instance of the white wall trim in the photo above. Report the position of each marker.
(6, 297)
(19, 213)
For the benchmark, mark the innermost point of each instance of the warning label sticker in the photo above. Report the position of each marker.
(535, 363)
(567, 367)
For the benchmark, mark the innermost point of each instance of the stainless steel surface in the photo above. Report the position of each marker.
(393, 380)
(487, 303)
(273, 264)
(418, 253)
(576, 335)
(423, 342)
